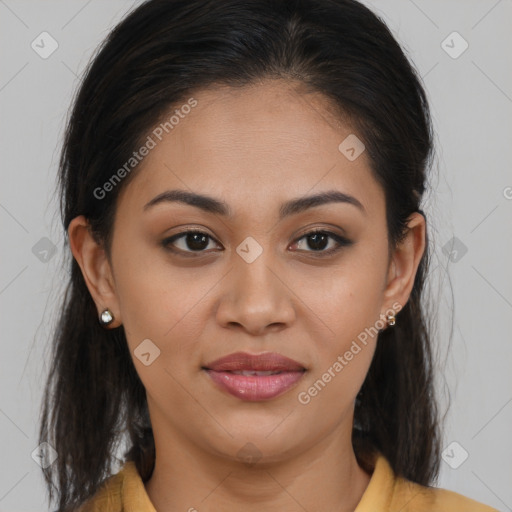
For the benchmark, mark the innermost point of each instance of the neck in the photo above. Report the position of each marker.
(324, 477)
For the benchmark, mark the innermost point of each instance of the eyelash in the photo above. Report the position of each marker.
(341, 241)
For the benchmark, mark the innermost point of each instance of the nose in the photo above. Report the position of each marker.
(256, 297)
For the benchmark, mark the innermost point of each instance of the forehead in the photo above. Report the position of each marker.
(273, 121)
(254, 143)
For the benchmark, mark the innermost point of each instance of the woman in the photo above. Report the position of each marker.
(241, 187)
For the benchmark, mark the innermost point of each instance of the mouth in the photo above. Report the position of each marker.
(255, 377)
(248, 373)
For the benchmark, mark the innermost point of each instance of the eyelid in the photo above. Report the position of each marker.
(168, 241)
(341, 240)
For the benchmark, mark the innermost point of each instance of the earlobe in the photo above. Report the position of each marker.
(405, 260)
(93, 261)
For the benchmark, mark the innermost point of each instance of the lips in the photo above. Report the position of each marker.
(255, 377)
(266, 362)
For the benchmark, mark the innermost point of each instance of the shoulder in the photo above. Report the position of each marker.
(122, 492)
(412, 497)
(387, 492)
(108, 498)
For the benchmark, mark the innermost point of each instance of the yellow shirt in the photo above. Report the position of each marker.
(125, 492)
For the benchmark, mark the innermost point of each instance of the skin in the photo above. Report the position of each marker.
(254, 148)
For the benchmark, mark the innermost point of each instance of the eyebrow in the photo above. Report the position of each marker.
(212, 205)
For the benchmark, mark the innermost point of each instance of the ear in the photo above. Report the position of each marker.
(95, 267)
(404, 263)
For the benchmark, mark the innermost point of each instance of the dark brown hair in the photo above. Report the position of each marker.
(161, 53)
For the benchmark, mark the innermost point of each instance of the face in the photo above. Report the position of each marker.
(254, 278)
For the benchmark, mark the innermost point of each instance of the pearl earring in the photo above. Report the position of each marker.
(106, 317)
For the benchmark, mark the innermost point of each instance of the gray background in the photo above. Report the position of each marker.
(471, 101)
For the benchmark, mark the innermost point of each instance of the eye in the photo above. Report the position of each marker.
(191, 241)
(318, 239)
(194, 241)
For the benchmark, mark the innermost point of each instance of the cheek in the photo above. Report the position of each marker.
(160, 309)
(349, 301)
(348, 297)
(342, 357)
(158, 302)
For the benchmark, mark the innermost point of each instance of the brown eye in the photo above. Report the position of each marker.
(191, 241)
(318, 240)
